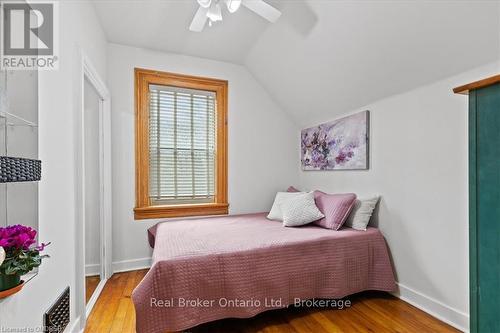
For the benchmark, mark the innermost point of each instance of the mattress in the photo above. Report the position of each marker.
(238, 266)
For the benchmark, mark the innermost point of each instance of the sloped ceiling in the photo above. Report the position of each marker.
(361, 51)
(323, 57)
(163, 25)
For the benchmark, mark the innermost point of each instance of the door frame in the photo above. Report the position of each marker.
(86, 70)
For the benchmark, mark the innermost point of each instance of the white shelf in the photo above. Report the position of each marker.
(24, 122)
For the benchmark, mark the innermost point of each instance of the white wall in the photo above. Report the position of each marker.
(418, 148)
(79, 27)
(262, 158)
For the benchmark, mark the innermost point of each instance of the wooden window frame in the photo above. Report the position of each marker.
(143, 208)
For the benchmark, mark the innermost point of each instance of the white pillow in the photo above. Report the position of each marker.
(300, 210)
(361, 213)
(275, 213)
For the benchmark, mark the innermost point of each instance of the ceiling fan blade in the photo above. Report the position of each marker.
(199, 20)
(263, 9)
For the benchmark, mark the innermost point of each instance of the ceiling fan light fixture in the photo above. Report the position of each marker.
(214, 12)
(204, 3)
(211, 11)
(233, 5)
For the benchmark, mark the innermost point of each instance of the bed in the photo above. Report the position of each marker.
(238, 266)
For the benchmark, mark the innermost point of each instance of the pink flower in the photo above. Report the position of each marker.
(42, 246)
(18, 237)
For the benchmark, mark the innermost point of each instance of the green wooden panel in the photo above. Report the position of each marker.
(488, 208)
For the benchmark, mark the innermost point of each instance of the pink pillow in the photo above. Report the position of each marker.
(292, 189)
(335, 207)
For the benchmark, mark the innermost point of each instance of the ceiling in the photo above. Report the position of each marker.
(163, 25)
(323, 57)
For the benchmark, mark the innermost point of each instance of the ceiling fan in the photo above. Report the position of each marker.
(211, 11)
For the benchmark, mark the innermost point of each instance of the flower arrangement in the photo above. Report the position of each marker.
(19, 254)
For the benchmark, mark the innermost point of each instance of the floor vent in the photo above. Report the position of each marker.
(57, 317)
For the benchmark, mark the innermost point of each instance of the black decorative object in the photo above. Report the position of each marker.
(16, 169)
(57, 317)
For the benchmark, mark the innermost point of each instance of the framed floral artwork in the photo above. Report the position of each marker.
(341, 144)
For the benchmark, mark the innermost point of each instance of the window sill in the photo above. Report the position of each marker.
(156, 212)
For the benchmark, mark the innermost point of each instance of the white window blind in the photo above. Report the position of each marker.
(182, 152)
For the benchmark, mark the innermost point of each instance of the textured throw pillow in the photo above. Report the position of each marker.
(335, 207)
(362, 212)
(300, 210)
(292, 189)
(275, 213)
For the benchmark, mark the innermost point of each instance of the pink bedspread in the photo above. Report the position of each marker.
(238, 266)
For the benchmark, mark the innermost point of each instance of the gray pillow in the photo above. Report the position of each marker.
(362, 212)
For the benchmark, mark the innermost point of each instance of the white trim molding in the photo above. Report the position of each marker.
(86, 70)
(75, 326)
(131, 265)
(92, 269)
(94, 297)
(435, 308)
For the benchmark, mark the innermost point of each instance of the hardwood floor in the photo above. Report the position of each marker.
(91, 283)
(370, 312)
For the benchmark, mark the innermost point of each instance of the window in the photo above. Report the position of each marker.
(181, 145)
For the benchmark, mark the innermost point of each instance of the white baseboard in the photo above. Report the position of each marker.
(435, 308)
(93, 299)
(92, 269)
(131, 265)
(75, 327)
